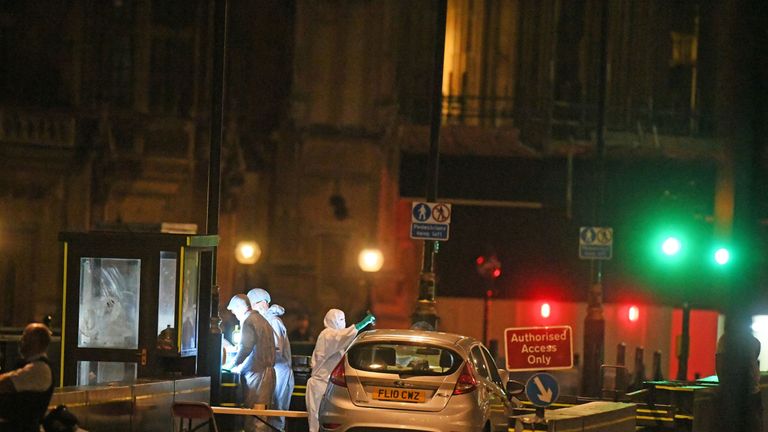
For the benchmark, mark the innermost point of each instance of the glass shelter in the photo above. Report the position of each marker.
(136, 305)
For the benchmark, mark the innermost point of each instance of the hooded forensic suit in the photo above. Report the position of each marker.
(330, 346)
(283, 371)
(255, 361)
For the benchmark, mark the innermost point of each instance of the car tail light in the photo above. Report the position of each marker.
(331, 426)
(466, 382)
(337, 376)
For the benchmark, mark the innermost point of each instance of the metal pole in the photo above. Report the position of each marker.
(594, 323)
(487, 312)
(214, 186)
(425, 306)
(682, 359)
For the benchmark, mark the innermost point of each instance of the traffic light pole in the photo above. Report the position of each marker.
(682, 358)
(426, 311)
(594, 323)
(487, 310)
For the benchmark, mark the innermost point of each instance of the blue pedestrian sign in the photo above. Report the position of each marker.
(596, 243)
(542, 389)
(430, 221)
(421, 212)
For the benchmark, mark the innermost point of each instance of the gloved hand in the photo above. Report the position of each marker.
(365, 321)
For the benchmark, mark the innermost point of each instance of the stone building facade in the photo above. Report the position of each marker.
(104, 123)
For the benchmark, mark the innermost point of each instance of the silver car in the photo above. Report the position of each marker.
(396, 380)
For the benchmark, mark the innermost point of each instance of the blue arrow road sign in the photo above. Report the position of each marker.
(542, 389)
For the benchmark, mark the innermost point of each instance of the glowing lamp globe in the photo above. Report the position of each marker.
(370, 260)
(247, 252)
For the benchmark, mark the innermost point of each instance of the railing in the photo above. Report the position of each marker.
(566, 120)
(47, 129)
(476, 110)
(579, 120)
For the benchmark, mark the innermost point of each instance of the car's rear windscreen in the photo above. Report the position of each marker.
(404, 358)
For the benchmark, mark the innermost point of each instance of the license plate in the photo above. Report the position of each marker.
(399, 395)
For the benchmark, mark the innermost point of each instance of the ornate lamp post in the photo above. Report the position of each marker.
(370, 260)
(247, 253)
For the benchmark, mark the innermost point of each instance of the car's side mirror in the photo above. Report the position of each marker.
(504, 374)
(514, 388)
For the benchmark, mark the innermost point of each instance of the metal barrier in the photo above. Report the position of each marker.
(676, 405)
(600, 415)
(144, 406)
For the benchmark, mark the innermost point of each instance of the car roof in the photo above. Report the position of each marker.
(432, 337)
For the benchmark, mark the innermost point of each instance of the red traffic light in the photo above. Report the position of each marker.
(488, 266)
(546, 310)
(634, 313)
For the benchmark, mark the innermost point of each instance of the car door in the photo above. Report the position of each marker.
(502, 414)
(492, 399)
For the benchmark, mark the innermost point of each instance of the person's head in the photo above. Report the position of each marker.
(240, 306)
(302, 323)
(260, 299)
(422, 325)
(34, 340)
(335, 319)
(60, 419)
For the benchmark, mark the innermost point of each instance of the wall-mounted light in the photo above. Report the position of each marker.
(247, 252)
(370, 260)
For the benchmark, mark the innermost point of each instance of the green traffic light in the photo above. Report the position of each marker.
(671, 246)
(722, 256)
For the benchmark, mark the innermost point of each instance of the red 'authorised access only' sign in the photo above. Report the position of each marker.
(538, 348)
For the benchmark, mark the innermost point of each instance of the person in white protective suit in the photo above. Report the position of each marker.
(255, 359)
(284, 382)
(330, 346)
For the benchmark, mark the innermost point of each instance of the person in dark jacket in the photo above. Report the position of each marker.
(26, 392)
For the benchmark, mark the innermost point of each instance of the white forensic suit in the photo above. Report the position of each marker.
(255, 362)
(330, 346)
(283, 371)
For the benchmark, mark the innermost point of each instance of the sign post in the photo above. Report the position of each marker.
(538, 348)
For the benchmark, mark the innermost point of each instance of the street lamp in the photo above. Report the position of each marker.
(247, 252)
(370, 260)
